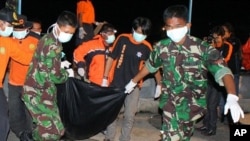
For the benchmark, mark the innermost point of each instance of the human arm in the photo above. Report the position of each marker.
(232, 100)
(79, 54)
(158, 79)
(229, 51)
(224, 77)
(229, 83)
(133, 82)
(107, 68)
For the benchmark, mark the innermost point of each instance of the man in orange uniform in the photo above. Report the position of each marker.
(20, 120)
(86, 18)
(8, 50)
(91, 55)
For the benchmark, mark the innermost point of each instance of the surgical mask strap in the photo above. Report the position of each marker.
(53, 25)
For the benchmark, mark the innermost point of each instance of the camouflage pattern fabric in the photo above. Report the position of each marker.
(40, 91)
(184, 82)
(12, 5)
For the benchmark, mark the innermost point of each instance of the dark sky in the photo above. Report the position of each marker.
(205, 13)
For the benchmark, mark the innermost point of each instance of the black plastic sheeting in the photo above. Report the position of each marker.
(87, 109)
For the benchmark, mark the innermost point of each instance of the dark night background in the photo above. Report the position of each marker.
(205, 14)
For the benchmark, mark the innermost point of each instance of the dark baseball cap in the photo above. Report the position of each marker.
(9, 16)
(107, 27)
(23, 22)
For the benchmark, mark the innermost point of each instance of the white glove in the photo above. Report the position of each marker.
(158, 91)
(65, 64)
(235, 109)
(130, 86)
(104, 82)
(82, 33)
(71, 72)
(81, 72)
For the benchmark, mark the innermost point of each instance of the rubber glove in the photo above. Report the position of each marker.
(158, 91)
(81, 72)
(233, 105)
(130, 86)
(82, 33)
(71, 72)
(65, 64)
(104, 82)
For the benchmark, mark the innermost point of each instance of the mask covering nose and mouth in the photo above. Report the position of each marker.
(177, 34)
(139, 37)
(62, 37)
(7, 31)
(111, 39)
(20, 34)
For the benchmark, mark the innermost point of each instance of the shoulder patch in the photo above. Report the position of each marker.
(2, 50)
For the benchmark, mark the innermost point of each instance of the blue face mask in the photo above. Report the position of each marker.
(139, 37)
(7, 32)
(20, 34)
(62, 54)
(110, 39)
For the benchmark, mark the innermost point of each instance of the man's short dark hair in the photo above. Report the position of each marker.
(178, 11)
(67, 18)
(218, 30)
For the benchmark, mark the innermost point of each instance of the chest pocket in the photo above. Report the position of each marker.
(191, 61)
(169, 60)
(193, 68)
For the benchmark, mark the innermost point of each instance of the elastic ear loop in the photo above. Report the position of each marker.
(48, 30)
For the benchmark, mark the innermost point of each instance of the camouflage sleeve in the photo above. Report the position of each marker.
(217, 65)
(154, 62)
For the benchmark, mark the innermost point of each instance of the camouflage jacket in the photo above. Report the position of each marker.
(185, 68)
(45, 71)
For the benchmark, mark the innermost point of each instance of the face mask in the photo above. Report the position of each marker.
(139, 37)
(62, 54)
(110, 39)
(177, 34)
(63, 37)
(20, 34)
(39, 33)
(7, 32)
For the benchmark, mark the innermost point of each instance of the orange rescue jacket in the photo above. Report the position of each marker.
(18, 71)
(85, 11)
(93, 54)
(9, 49)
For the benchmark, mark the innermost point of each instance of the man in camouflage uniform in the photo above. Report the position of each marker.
(44, 72)
(185, 60)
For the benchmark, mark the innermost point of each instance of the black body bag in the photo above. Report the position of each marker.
(87, 109)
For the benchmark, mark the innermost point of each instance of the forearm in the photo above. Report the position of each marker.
(141, 74)
(108, 66)
(158, 77)
(229, 84)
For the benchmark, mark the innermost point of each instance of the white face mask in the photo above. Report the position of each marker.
(110, 39)
(177, 34)
(62, 37)
(20, 34)
(139, 37)
(7, 32)
(39, 33)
